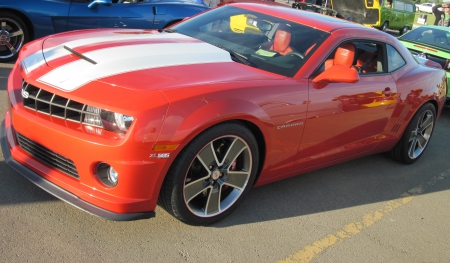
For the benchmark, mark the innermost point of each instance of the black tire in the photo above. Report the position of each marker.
(385, 26)
(416, 137)
(221, 163)
(404, 30)
(13, 35)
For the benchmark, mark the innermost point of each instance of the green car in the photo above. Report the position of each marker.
(432, 43)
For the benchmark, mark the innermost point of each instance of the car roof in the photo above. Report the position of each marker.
(319, 21)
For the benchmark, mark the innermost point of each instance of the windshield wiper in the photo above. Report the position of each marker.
(240, 58)
(80, 55)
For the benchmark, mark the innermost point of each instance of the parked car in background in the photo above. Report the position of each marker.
(382, 14)
(425, 7)
(432, 43)
(25, 20)
(115, 121)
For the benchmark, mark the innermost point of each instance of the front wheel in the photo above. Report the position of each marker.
(13, 35)
(211, 176)
(416, 137)
(385, 26)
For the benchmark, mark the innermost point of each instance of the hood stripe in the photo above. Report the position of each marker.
(116, 60)
(39, 58)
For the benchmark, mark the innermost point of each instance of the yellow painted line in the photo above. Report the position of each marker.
(6, 65)
(313, 250)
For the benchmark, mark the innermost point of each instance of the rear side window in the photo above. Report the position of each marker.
(395, 60)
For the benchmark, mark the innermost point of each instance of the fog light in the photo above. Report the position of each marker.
(113, 176)
(107, 174)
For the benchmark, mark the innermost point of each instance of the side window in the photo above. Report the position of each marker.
(399, 5)
(409, 7)
(395, 60)
(364, 56)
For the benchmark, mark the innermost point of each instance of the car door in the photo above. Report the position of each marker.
(85, 14)
(344, 119)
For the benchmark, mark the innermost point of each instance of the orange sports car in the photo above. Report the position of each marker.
(115, 121)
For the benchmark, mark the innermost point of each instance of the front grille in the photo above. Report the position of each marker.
(49, 157)
(54, 105)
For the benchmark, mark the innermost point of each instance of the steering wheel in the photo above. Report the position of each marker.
(295, 53)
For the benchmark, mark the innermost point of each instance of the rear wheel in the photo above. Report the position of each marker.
(416, 137)
(13, 35)
(404, 30)
(211, 176)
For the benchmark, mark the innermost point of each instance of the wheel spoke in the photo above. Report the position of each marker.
(3, 26)
(421, 142)
(237, 146)
(17, 33)
(412, 147)
(207, 157)
(193, 189)
(11, 48)
(237, 179)
(213, 203)
(426, 122)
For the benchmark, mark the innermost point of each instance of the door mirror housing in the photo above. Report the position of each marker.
(94, 3)
(337, 73)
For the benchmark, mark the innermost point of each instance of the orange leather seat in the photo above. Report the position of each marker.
(344, 56)
(282, 40)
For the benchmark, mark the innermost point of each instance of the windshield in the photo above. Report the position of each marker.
(429, 36)
(257, 40)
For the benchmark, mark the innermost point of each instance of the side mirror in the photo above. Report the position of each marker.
(100, 2)
(447, 64)
(337, 74)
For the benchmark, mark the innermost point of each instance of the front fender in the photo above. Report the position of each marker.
(181, 126)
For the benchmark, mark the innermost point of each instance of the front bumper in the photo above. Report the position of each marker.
(59, 192)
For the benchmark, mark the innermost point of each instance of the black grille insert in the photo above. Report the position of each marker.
(49, 157)
(54, 105)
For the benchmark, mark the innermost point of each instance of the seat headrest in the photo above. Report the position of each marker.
(345, 55)
(282, 38)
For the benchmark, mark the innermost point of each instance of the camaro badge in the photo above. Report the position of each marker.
(289, 125)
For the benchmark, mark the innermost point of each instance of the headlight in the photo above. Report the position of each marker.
(109, 120)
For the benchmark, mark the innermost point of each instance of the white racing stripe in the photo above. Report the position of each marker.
(121, 59)
(39, 58)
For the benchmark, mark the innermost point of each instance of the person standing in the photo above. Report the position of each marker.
(442, 14)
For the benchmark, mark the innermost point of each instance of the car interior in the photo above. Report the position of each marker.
(362, 56)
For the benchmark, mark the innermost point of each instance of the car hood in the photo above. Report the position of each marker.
(130, 58)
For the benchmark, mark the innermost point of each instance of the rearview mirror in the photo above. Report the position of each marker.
(264, 26)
